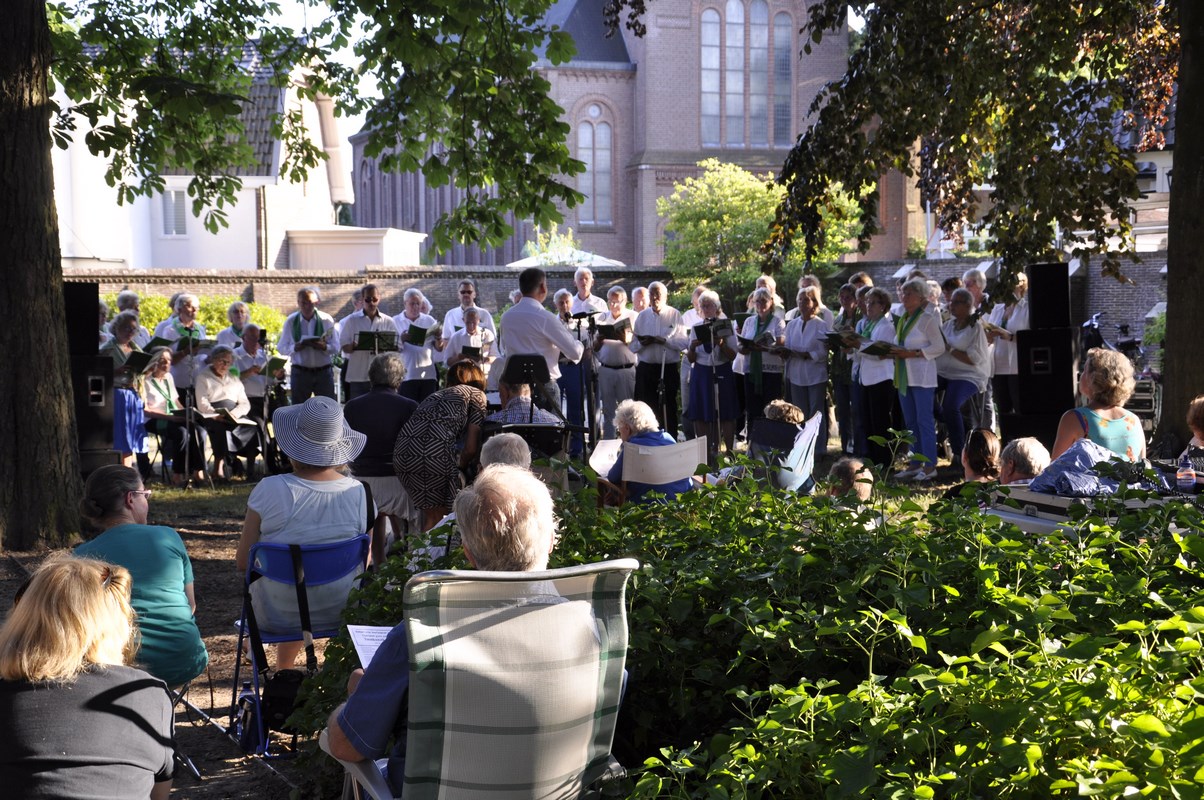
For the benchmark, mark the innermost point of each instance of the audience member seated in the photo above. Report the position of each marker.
(1022, 460)
(1107, 383)
(313, 505)
(1195, 423)
(850, 477)
(506, 448)
(428, 455)
(781, 411)
(636, 424)
(78, 720)
(164, 418)
(516, 407)
(507, 523)
(380, 415)
(171, 648)
(980, 461)
(217, 390)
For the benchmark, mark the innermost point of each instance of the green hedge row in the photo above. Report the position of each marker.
(154, 309)
(796, 647)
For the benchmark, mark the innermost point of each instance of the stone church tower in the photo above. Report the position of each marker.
(720, 79)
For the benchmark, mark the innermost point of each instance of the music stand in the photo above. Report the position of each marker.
(528, 370)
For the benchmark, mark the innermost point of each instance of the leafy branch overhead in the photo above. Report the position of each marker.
(161, 86)
(1039, 104)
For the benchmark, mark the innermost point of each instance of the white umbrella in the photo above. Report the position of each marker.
(570, 257)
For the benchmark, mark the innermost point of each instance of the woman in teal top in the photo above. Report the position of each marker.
(171, 647)
(1107, 383)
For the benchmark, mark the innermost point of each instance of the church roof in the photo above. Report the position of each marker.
(583, 20)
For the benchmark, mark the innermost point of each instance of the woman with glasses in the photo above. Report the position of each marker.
(218, 390)
(116, 502)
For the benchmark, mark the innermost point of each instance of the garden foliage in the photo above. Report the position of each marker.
(795, 647)
(154, 309)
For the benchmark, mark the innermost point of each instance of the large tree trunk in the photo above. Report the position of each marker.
(39, 459)
(1182, 366)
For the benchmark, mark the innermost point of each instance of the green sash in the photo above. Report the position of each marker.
(903, 326)
(318, 328)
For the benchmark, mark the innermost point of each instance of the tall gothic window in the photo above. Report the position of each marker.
(595, 148)
(747, 72)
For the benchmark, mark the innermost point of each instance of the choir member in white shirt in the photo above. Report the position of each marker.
(308, 336)
(368, 319)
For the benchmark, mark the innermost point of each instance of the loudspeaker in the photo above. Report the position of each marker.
(92, 387)
(1048, 295)
(1042, 427)
(1048, 367)
(80, 304)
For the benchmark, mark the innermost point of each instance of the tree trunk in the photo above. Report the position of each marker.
(1182, 366)
(39, 458)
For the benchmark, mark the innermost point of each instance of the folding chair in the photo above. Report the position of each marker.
(515, 683)
(304, 567)
(659, 465)
(788, 451)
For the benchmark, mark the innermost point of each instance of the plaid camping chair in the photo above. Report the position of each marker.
(515, 683)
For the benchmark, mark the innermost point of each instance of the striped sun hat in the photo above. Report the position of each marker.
(315, 433)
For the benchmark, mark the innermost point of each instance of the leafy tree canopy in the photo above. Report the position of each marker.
(159, 86)
(720, 220)
(1040, 101)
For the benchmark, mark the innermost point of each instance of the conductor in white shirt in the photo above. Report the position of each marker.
(530, 329)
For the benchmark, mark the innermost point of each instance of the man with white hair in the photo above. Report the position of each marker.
(1022, 460)
(309, 338)
(506, 448)
(639, 299)
(506, 523)
(659, 337)
(421, 378)
(584, 301)
(616, 361)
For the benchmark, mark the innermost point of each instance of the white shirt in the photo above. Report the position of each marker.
(807, 337)
(667, 324)
(454, 319)
(483, 339)
(307, 356)
(183, 370)
(973, 340)
(925, 336)
(359, 361)
(530, 329)
(615, 353)
(419, 361)
(255, 385)
(876, 369)
(229, 337)
(591, 303)
(1006, 362)
(777, 329)
(212, 389)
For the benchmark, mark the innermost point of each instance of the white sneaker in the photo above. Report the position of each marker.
(922, 475)
(907, 474)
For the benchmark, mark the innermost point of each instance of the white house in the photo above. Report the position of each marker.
(160, 231)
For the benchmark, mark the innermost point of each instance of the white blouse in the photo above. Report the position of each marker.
(807, 337)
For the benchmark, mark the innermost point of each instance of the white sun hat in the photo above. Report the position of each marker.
(315, 433)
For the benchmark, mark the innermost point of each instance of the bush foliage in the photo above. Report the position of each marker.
(788, 646)
(154, 309)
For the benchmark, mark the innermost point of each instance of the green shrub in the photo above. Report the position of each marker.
(787, 646)
(154, 309)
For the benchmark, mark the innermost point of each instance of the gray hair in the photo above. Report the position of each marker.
(934, 291)
(975, 276)
(962, 294)
(186, 299)
(712, 297)
(387, 369)
(664, 290)
(559, 294)
(879, 294)
(221, 350)
(506, 448)
(917, 286)
(412, 292)
(637, 416)
(126, 300)
(507, 519)
(125, 317)
(762, 292)
(616, 290)
(251, 327)
(581, 272)
(1026, 455)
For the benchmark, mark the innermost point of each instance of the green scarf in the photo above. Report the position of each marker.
(318, 328)
(903, 326)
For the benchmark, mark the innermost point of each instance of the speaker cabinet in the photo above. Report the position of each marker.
(92, 387)
(1048, 364)
(1048, 295)
(80, 304)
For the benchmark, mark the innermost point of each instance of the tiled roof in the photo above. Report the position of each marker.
(584, 21)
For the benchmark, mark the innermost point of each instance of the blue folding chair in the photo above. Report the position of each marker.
(304, 567)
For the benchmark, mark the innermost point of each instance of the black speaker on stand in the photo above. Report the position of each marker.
(1048, 295)
(1048, 362)
(91, 377)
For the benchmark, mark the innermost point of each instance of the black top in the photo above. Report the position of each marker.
(379, 415)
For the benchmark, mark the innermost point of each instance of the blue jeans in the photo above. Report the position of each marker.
(919, 419)
(956, 394)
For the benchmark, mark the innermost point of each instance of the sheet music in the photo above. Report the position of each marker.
(367, 639)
